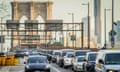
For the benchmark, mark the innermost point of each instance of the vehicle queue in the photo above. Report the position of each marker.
(76, 60)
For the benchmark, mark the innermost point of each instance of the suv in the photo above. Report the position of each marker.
(63, 53)
(108, 61)
(68, 58)
(89, 62)
(56, 54)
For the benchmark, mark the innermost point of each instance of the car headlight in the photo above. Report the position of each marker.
(110, 71)
(27, 66)
(47, 66)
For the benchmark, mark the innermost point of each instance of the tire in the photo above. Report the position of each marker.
(26, 70)
(75, 71)
(48, 70)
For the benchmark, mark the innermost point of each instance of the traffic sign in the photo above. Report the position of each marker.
(54, 25)
(112, 41)
(112, 33)
(73, 37)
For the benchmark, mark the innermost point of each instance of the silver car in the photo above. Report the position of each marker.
(77, 63)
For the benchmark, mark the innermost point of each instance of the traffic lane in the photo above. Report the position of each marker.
(18, 68)
(59, 69)
(22, 69)
(53, 67)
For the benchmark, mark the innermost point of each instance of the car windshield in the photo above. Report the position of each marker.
(92, 57)
(112, 58)
(80, 53)
(80, 59)
(57, 53)
(37, 60)
(20, 51)
(65, 52)
(70, 55)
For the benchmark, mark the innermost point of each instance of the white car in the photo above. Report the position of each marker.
(55, 56)
(108, 61)
(77, 63)
(68, 58)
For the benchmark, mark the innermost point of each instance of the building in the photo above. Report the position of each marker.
(117, 36)
(97, 21)
(29, 33)
(85, 21)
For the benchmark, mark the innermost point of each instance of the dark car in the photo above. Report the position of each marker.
(37, 63)
(21, 53)
(89, 64)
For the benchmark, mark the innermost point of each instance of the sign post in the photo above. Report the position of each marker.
(112, 33)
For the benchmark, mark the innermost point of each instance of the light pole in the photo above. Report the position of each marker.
(2, 37)
(105, 25)
(88, 4)
(72, 14)
(112, 31)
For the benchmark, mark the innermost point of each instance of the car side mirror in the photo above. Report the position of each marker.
(85, 60)
(24, 62)
(101, 61)
(65, 56)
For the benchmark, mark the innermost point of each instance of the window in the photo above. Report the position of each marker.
(2, 39)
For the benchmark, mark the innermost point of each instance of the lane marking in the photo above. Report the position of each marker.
(54, 68)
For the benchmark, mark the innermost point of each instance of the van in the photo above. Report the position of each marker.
(89, 62)
(108, 61)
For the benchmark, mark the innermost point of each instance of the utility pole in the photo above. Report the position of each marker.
(73, 34)
(88, 26)
(88, 4)
(112, 31)
(105, 26)
(105, 10)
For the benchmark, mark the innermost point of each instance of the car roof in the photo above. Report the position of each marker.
(56, 51)
(91, 52)
(110, 51)
(36, 56)
(67, 50)
(82, 50)
(70, 52)
(79, 56)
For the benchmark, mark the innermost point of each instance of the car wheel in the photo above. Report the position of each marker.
(75, 71)
(48, 70)
(26, 70)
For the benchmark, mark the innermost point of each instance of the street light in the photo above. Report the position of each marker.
(88, 4)
(72, 14)
(112, 31)
(2, 31)
(105, 25)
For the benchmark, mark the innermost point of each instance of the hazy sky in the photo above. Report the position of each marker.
(61, 8)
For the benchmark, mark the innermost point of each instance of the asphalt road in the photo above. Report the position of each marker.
(20, 68)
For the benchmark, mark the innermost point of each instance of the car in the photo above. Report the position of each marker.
(108, 61)
(37, 63)
(89, 64)
(55, 55)
(34, 53)
(63, 53)
(68, 58)
(77, 63)
(81, 52)
(21, 53)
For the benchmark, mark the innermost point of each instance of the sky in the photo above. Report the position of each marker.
(61, 8)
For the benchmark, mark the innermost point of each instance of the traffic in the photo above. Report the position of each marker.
(70, 59)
